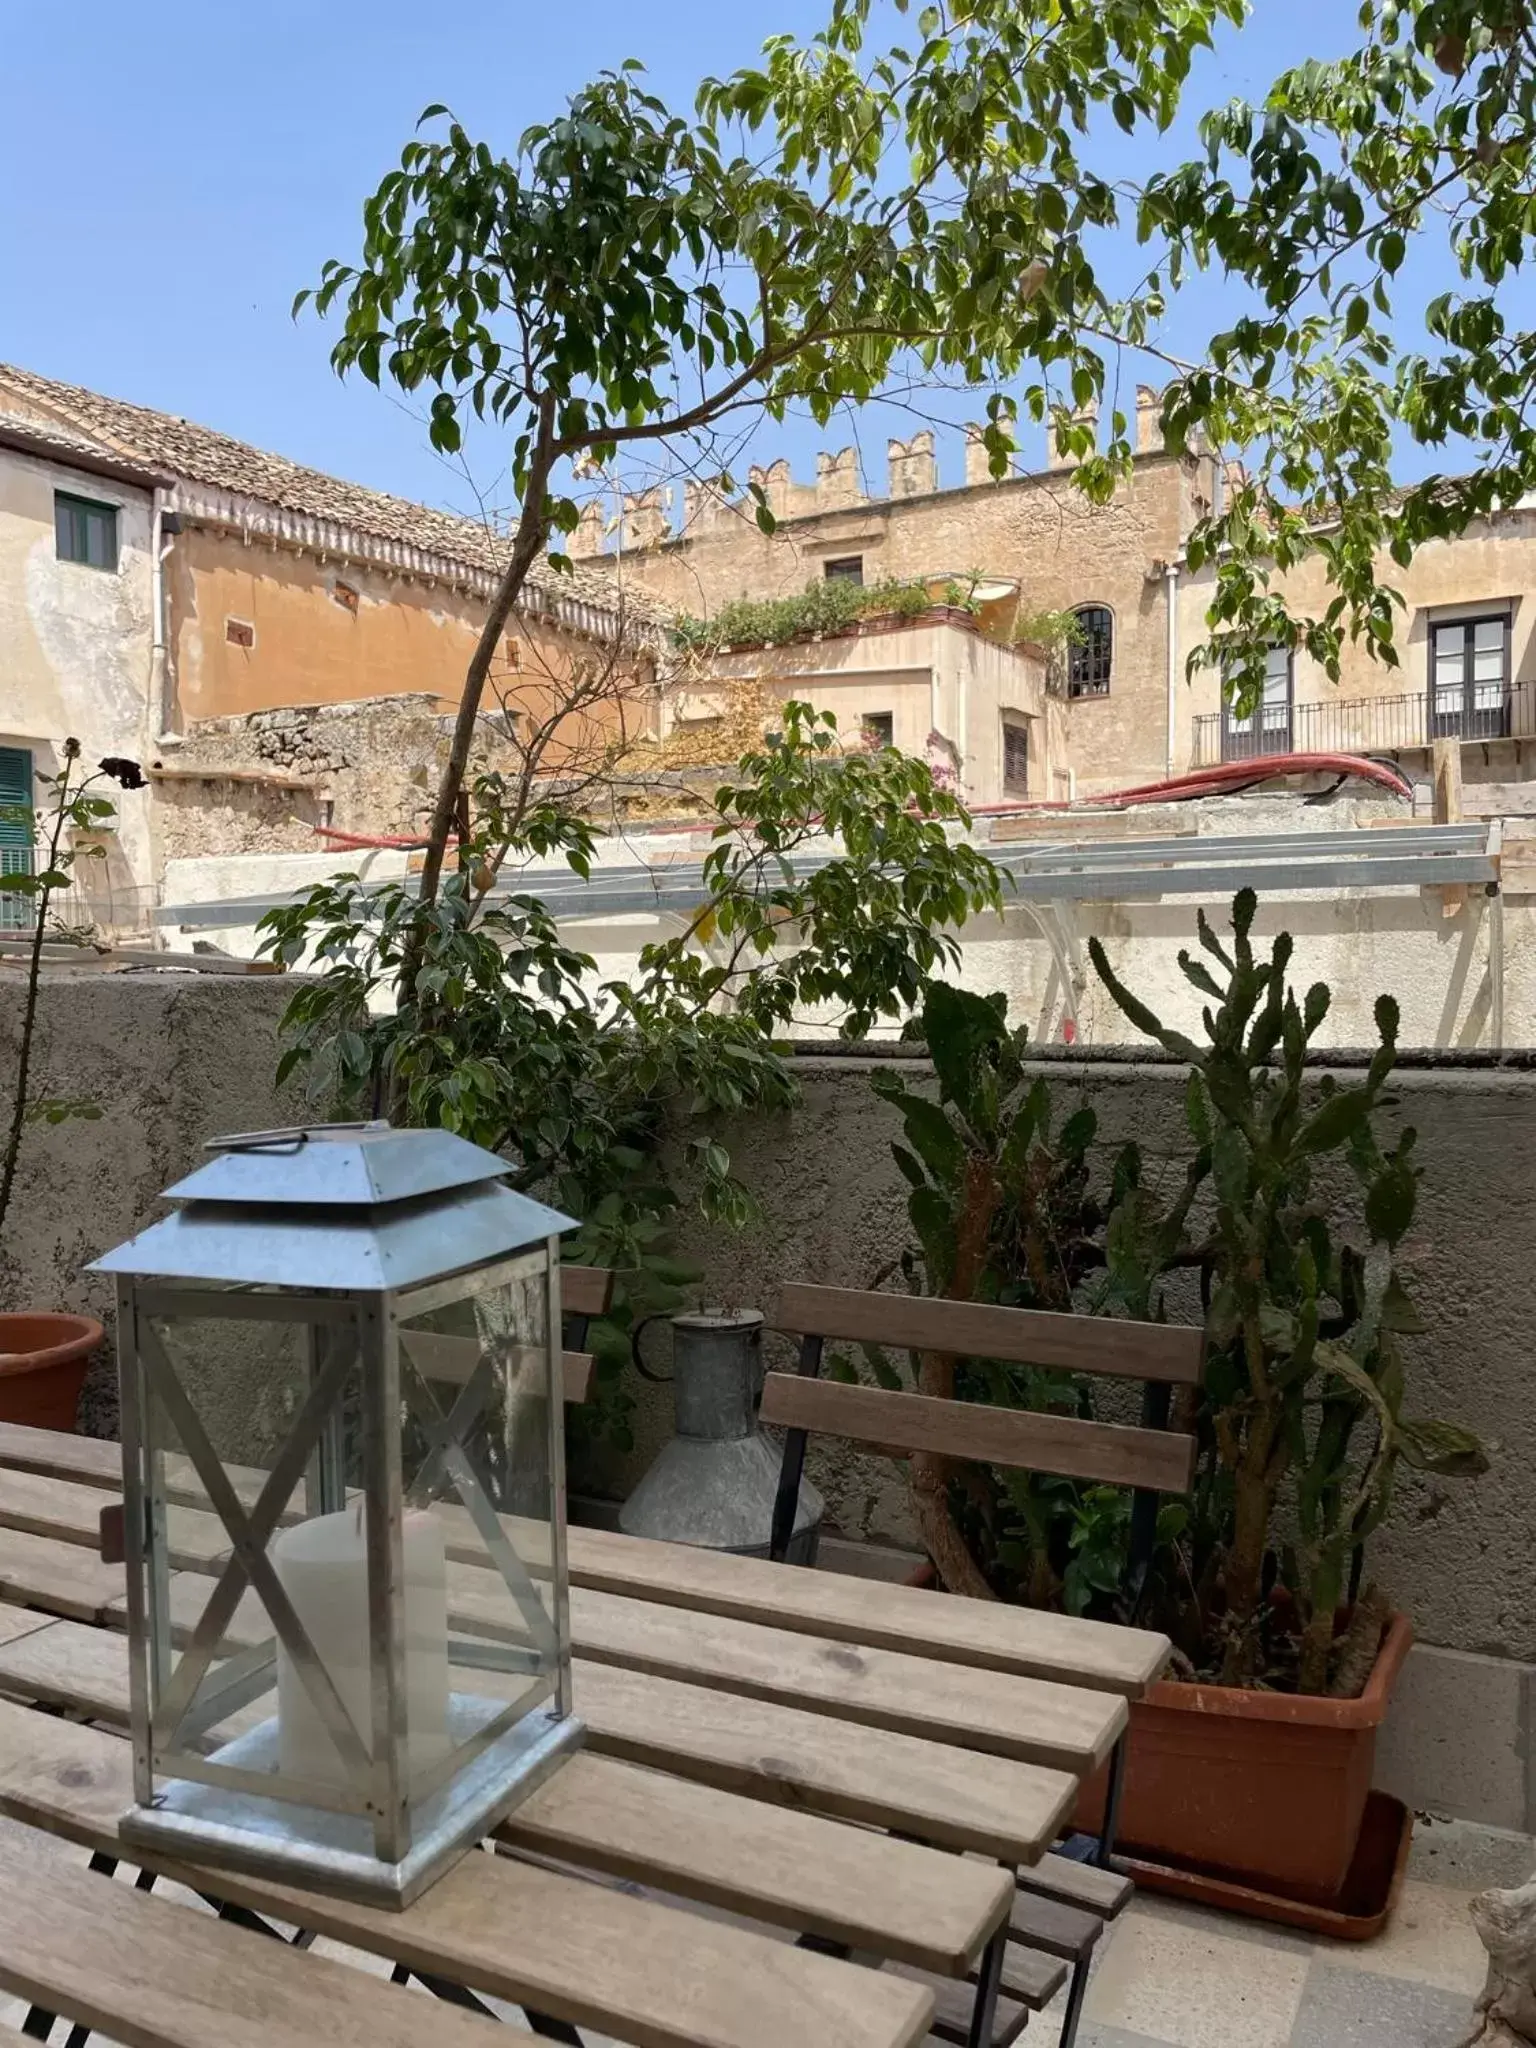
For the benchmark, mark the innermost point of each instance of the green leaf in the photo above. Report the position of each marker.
(1442, 1447)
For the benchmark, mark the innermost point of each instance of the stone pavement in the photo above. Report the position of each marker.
(1177, 1976)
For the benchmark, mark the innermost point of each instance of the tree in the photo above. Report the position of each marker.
(826, 222)
(1331, 202)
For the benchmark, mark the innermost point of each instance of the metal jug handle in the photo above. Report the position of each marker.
(646, 1372)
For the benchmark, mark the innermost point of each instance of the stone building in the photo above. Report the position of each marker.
(1466, 644)
(1027, 544)
(282, 649)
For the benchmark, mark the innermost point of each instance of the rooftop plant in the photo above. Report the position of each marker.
(827, 606)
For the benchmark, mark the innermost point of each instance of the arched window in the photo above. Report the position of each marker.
(1091, 655)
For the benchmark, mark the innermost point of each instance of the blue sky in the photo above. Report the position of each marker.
(172, 177)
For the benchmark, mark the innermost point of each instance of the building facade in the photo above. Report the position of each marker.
(79, 653)
(1028, 545)
(258, 610)
(1466, 644)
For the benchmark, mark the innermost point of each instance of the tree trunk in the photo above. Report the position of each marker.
(527, 544)
(1244, 1572)
(931, 1475)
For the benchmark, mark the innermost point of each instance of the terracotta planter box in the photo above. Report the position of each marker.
(1261, 1786)
(43, 1360)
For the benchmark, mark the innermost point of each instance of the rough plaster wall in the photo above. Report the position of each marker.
(75, 646)
(171, 1060)
(1458, 1555)
(176, 1059)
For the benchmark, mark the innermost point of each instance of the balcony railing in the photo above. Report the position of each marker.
(1363, 725)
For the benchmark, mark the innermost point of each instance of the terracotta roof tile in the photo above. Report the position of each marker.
(200, 455)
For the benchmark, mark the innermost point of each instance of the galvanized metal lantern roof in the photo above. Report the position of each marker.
(356, 1208)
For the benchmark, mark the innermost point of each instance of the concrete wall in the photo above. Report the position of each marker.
(174, 1059)
(76, 649)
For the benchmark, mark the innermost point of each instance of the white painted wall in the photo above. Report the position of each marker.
(76, 649)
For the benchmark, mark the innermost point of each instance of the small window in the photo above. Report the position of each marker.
(1469, 678)
(1016, 759)
(879, 728)
(845, 569)
(1091, 656)
(85, 532)
(239, 632)
(1267, 728)
(344, 595)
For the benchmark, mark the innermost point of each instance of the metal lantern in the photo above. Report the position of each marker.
(345, 1344)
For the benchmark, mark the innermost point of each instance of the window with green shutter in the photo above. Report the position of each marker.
(85, 531)
(16, 825)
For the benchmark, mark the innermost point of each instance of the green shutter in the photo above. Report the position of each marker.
(16, 796)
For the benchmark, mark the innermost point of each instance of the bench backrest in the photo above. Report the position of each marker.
(1152, 1458)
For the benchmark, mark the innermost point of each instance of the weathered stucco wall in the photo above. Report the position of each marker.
(76, 648)
(937, 675)
(1037, 529)
(175, 1059)
(1490, 568)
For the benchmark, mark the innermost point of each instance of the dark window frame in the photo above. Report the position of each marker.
(843, 569)
(1471, 721)
(1015, 732)
(1091, 661)
(75, 520)
(1260, 733)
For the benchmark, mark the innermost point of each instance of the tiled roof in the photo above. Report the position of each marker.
(198, 455)
(36, 436)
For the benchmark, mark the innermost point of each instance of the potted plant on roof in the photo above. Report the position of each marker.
(44, 1354)
(1260, 1761)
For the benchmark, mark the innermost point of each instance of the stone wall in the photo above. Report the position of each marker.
(174, 1059)
(1035, 530)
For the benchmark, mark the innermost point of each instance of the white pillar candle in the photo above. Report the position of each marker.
(322, 1565)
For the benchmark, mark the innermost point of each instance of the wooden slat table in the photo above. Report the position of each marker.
(740, 1716)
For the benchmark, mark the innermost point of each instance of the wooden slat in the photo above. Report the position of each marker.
(781, 1755)
(154, 1974)
(952, 2006)
(1054, 1927)
(1111, 1453)
(1104, 1892)
(974, 1329)
(59, 1507)
(64, 1578)
(655, 1976)
(793, 1869)
(1032, 1720)
(1097, 1655)
(586, 1290)
(1033, 1979)
(1100, 1655)
(16, 1622)
(454, 1359)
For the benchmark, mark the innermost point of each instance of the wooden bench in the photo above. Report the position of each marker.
(1062, 1904)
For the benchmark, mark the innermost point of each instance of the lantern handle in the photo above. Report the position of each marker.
(292, 1139)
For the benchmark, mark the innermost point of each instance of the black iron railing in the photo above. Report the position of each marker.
(1364, 725)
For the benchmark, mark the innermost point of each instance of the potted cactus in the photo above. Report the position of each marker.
(1291, 1208)
(1290, 1656)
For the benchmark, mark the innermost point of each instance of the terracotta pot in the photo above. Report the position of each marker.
(1267, 1787)
(43, 1359)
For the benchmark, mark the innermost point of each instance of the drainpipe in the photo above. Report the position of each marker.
(163, 531)
(1171, 587)
(962, 735)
